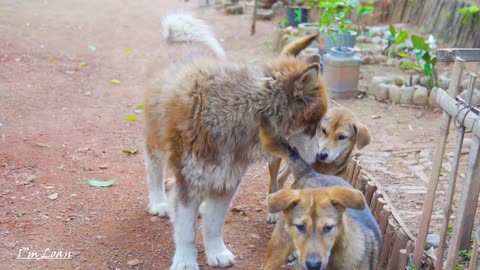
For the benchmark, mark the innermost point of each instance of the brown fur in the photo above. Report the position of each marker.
(318, 202)
(337, 121)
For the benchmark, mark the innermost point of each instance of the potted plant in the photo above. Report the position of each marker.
(297, 14)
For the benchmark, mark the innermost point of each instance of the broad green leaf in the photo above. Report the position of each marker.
(132, 117)
(365, 10)
(130, 151)
(115, 81)
(402, 36)
(473, 9)
(101, 183)
(463, 10)
(393, 31)
(403, 54)
(419, 43)
(427, 68)
(412, 66)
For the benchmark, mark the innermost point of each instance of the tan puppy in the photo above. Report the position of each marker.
(202, 114)
(324, 221)
(338, 134)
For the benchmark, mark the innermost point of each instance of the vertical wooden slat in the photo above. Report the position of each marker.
(401, 240)
(402, 259)
(467, 206)
(387, 243)
(447, 210)
(351, 169)
(373, 203)
(385, 214)
(362, 183)
(437, 164)
(371, 189)
(380, 204)
(355, 180)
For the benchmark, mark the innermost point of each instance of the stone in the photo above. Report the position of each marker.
(134, 262)
(53, 196)
(420, 96)
(381, 92)
(443, 82)
(377, 40)
(424, 81)
(103, 166)
(154, 219)
(433, 240)
(234, 9)
(368, 60)
(255, 236)
(475, 96)
(381, 58)
(391, 62)
(265, 14)
(407, 95)
(415, 79)
(394, 93)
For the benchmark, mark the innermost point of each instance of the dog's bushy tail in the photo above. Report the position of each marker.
(183, 27)
(278, 146)
(296, 46)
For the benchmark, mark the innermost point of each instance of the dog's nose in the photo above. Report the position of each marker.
(323, 155)
(314, 265)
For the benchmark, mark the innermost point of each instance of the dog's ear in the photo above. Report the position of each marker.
(306, 81)
(282, 200)
(348, 197)
(363, 135)
(313, 59)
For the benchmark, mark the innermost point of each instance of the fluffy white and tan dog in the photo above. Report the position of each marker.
(202, 115)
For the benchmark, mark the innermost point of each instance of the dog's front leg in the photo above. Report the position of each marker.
(279, 248)
(214, 212)
(184, 225)
(273, 167)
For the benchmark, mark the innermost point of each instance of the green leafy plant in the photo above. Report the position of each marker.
(335, 14)
(298, 15)
(465, 254)
(469, 13)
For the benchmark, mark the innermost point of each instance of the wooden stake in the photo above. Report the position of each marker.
(383, 218)
(437, 164)
(355, 179)
(468, 204)
(401, 240)
(351, 169)
(473, 259)
(362, 183)
(254, 19)
(373, 203)
(447, 210)
(402, 259)
(371, 188)
(380, 204)
(387, 243)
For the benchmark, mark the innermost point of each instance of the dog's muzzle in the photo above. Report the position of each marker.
(313, 265)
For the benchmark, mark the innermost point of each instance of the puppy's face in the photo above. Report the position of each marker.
(313, 220)
(338, 133)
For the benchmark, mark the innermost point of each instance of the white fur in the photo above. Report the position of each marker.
(157, 199)
(272, 218)
(214, 214)
(185, 257)
(307, 146)
(183, 27)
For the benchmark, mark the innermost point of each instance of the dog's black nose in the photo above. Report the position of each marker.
(314, 265)
(323, 155)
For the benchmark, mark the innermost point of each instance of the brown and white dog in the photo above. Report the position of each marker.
(202, 114)
(325, 222)
(338, 133)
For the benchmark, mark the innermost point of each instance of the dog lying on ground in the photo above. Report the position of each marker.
(202, 114)
(338, 134)
(324, 220)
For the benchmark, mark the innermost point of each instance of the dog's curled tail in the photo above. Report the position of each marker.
(278, 146)
(183, 27)
(296, 46)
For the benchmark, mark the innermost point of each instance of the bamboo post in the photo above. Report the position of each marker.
(447, 210)
(468, 204)
(351, 169)
(473, 259)
(401, 240)
(378, 208)
(437, 164)
(402, 259)
(373, 203)
(362, 183)
(383, 218)
(387, 243)
(355, 179)
(254, 19)
(370, 190)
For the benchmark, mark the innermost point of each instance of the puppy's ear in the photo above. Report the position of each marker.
(282, 200)
(313, 59)
(306, 81)
(363, 135)
(348, 197)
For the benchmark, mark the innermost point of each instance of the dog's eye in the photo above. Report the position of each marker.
(327, 229)
(300, 228)
(342, 137)
(324, 131)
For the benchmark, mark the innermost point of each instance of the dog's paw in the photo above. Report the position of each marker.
(222, 258)
(160, 209)
(273, 218)
(184, 264)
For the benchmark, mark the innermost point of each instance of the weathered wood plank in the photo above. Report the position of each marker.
(449, 105)
(447, 210)
(401, 240)
(437, 165)
(388, 241)
(467, 206)
(467, 54)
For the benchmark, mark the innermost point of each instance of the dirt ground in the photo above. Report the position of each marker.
(62, 122)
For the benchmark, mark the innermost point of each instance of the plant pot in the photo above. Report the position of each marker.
(341, 72)
(308, 28)
(340, 39)
(296, 15)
